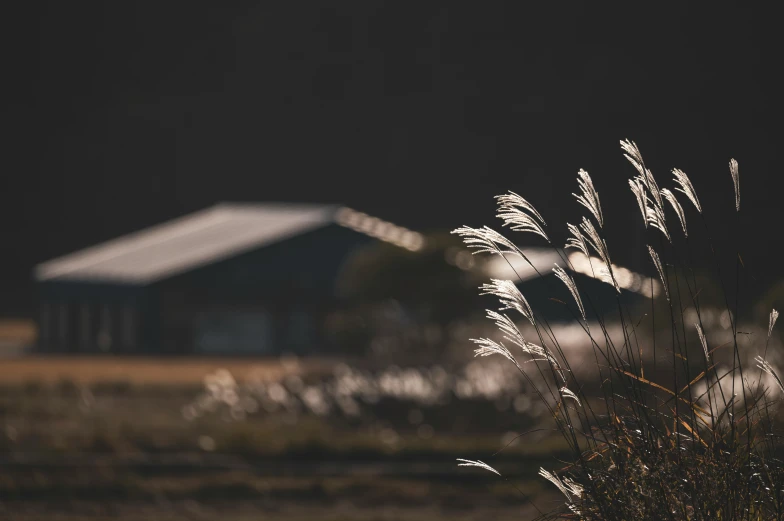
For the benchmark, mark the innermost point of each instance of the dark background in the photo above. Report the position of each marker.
(123, 114)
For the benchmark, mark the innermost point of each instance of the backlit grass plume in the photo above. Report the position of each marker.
(589, 197)
(519, 215)
(638, 188)
(571, 286)
(736, 182)
(659, 269)
(685, 187)
(480, 464)
(655, 216)
(487, 240)
(576, 241)
(666, 424)
(598, 244)
(670, 198)
(510, 297)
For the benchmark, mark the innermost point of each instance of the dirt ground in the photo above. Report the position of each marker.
(190, 510)
(105, 438)
(148, 370)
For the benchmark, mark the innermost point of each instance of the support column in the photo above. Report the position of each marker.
(62, 328)
(129, 328)
(45, 328)
(85, 326)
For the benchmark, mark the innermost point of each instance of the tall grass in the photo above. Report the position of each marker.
(688, 436)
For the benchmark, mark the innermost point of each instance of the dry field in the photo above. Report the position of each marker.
(76, 447)
(148, 370)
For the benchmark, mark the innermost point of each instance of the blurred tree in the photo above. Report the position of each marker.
(409, 299)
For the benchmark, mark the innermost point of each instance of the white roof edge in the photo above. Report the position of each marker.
(42, 269)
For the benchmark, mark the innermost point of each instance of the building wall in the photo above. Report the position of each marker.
(267, 301)
(83, 317)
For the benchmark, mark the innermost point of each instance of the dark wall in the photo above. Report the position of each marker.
(305, 265)
(90, 317)
(599, 298)
(276, 296)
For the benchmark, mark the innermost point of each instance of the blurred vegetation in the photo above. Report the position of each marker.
(397, 317)
(107, 445)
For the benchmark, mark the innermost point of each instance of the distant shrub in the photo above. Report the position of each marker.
(691, 437)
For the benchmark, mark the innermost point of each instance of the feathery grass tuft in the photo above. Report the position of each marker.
(571, 286)
(510, 297)
(685, 187)
(656, 219)
(576, 241)
(767, 368)
(638, 188)
(489, 347)
(520, 215)
(670, 197)
(659, 269)
(480, 464)
(632, 153)
(589, 197)
(703, 341)
(555, 480)
(684, 440)
(486, 240)
(735, 182)
(600, 247)
(567, 393)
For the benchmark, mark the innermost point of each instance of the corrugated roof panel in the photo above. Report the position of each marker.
(186, 243)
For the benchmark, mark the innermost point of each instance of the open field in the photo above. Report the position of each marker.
(148, 370)
(117, 438)
(190, 510)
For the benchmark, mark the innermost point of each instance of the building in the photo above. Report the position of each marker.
(234, 278)
(548, 295)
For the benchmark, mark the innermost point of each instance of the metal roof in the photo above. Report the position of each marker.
(207, 236)
(195, 240)
(514, 267)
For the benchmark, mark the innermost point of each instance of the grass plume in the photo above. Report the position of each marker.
(690, 439)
